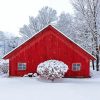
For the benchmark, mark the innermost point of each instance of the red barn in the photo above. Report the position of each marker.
(48, 44)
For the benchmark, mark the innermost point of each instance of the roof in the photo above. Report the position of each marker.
(5, 56)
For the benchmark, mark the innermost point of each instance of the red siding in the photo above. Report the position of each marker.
(49, 44)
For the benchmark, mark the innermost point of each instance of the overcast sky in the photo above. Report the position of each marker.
(15, 13)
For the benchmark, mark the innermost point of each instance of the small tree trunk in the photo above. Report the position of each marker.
(52, 80)
(93, 60)
(93, 65)
(97, 61)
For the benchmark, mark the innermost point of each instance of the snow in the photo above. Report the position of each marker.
(26, 88)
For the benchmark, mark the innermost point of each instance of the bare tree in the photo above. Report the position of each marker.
(45, 16)
(82, 33)
(25, 31)
(90, 9)
(10, 44)
(64, 24)
(2, 44)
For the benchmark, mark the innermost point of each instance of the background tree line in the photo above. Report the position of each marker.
(83, 26)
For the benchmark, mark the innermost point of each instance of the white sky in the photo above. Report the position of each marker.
(15, 13)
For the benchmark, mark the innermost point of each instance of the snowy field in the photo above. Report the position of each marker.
(26, 88)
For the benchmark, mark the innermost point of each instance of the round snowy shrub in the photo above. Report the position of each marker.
(52, 69)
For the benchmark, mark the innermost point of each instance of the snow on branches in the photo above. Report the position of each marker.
(52, 69)
(4, 66)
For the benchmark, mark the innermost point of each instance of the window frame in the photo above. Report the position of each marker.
(76, 68)
(22, 68)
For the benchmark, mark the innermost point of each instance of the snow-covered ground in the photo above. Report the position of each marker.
(25, 88)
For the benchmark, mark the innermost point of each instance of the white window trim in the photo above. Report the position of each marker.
(76, 70)
(22, 68)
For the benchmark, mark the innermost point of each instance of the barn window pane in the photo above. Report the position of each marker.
(21, 66)
(76, 67)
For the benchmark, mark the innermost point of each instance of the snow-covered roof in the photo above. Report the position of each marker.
(42, 30)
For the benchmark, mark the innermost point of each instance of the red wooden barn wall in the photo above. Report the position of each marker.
(46, 45)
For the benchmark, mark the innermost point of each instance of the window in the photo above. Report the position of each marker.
(76, 66)
(21, 66)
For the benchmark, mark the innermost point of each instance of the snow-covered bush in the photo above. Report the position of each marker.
(52, 69)
(4, 66)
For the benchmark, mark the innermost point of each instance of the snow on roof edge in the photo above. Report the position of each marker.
(42, 30)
